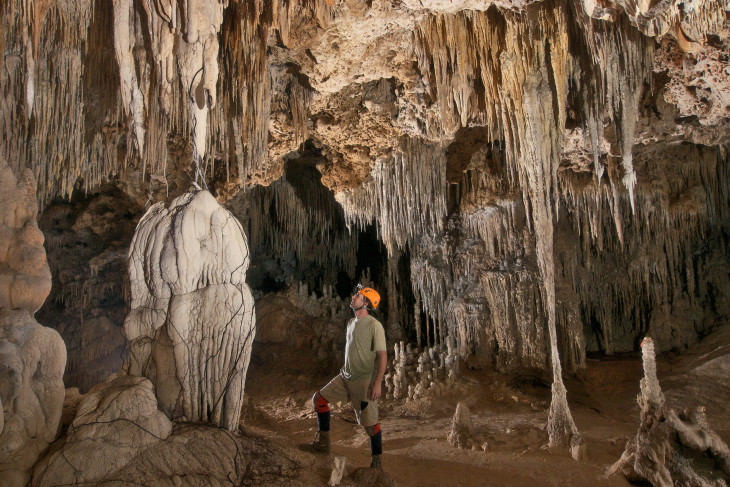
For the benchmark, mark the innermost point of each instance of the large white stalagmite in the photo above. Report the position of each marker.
(191, 324)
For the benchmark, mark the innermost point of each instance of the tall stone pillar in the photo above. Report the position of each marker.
(32, 357)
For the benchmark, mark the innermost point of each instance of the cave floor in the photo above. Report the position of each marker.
(508, 411)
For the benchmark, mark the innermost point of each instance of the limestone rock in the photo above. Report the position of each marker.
(191, 324)
(32, 359)
(119, 437)
(338, 471)
(25, 279)
(370, 477)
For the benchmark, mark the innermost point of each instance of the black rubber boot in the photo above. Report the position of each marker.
(376, 463)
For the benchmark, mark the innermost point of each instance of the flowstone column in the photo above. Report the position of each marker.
(32, 357)
(192, 323)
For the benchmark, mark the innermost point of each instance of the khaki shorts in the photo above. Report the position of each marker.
(341, 390)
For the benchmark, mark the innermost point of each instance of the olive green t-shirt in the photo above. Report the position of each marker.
(365, 336)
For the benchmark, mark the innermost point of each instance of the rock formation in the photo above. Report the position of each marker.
(25, 279)
(338, 471)
(120, 437)
(461, 434)
(411, 374)
(191, 324)
(114, 422)
(32, 357)
(510, 157)
(669, 442)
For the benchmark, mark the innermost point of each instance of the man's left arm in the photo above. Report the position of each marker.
(381, 360)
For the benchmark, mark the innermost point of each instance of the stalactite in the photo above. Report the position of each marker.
(616, 62)
(405, 195)
(430, 283)
(689, 23)
(528, 89)
(178, 40)
(308, 224)
(670, 214)
(44, 46)
(241, 122)
(176, 84)
(299, 99)
(400, 316)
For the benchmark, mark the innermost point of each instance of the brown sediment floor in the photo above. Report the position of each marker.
(509, 413)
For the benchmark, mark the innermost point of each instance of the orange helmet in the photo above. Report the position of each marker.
(371, 294)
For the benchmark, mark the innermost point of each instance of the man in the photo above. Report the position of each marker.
(360, 379)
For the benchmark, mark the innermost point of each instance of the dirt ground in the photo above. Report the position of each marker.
(509, 412)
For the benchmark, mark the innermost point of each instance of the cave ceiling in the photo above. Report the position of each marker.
(144, 89)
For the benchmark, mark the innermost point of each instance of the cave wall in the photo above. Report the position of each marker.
(87, 240)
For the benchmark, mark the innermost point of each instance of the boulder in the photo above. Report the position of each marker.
(119, 437)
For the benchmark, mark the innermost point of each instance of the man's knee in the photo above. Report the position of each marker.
(372, 430)
(319, 403)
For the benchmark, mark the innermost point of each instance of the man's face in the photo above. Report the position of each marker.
(357, 301)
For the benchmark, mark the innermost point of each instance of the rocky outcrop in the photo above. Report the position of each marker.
(120, 437)
(113, 423)
(32, 359)
(191, 324)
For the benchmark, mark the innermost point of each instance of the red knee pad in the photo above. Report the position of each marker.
(376, 429)
(321, 406)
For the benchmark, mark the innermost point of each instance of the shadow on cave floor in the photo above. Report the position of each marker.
(509, 413)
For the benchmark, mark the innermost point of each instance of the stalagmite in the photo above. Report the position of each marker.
(191, 324)
(25, 279)
(405, 195)
(32, 357)
(462, 434)
(666, 438)
(338, 471)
